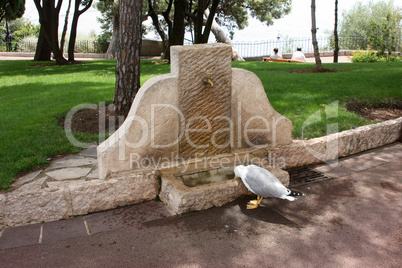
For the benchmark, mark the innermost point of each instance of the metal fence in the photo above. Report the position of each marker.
(325, 44)
(81, 46)
(288, 46)
(245, 49)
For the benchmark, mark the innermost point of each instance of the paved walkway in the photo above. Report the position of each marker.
(351, 220)
(2, 57)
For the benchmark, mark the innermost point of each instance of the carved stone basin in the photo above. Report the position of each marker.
(198, 187)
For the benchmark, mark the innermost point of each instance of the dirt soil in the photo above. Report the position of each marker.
(378, 112)
(87, 120)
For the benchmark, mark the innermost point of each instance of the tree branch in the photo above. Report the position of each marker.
(59, 3)
(87, 6)
(211, 16)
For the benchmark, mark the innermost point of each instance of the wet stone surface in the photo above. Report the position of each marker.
(207, 177)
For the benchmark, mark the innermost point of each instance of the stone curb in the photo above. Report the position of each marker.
(38, 197)
(341, 144)
(73, 198)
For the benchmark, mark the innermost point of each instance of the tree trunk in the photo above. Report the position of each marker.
(114, 41)
(336, 51)
(177, 36)
(166, 15)
(199, 21)
(128, 58)
(43, 50)
(73, 33)
(221, 37)
(158, 27)
(210, 20)
(201, 35)
(314, 34)
(169, 23)
(63, 34)
(8, 39)
(49, 21)
(53, 39)
(73, 36)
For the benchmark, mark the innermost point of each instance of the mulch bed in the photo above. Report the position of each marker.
(87, 120)
(377, 112)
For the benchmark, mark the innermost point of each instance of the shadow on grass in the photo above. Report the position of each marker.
(31, 68)
(95, 67)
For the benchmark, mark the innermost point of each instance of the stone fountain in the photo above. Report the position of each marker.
(186, 131)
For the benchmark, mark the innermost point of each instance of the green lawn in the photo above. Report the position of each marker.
(300, 95)
(33, 98)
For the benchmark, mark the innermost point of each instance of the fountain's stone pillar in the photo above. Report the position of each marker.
(206, 108)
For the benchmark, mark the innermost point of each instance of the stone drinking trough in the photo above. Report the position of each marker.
(196, 120)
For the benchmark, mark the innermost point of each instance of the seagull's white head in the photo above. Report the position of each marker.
(239, 170)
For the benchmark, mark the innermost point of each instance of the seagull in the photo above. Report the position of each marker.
(263, 183)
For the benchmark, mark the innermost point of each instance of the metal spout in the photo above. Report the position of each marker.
(207, 80)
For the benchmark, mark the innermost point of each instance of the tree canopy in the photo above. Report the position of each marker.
(11, 9)
(357, 21)
(20, 28)
(172, 17)
(232, 14)
(109, 9)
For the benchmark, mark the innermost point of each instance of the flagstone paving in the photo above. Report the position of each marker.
(80, 167)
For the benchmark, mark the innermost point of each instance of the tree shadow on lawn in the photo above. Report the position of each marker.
(31, 68)
(315, 70)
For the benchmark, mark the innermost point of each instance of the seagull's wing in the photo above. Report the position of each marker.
(263, 183)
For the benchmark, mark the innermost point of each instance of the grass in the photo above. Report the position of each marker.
(298, 96)
(33, 98)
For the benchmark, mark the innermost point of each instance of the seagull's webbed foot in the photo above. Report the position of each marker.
(252, 204)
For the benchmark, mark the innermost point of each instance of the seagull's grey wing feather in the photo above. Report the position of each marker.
(263, 183)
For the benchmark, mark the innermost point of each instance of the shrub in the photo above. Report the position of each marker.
(391, 59)
(360, 55)
(28, 44)
(368, 55)
(102, 43)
